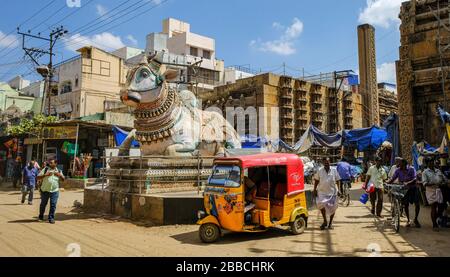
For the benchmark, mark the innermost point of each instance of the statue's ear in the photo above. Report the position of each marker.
(170, 74)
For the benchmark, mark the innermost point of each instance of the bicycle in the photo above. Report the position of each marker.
(396, 194)
(344, 195)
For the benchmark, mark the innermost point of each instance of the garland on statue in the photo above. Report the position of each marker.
(156, 120)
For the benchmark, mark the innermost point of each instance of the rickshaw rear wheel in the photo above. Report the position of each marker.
(298, 226)
(209, 232)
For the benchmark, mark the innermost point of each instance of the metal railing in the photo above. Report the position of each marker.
(148, 170)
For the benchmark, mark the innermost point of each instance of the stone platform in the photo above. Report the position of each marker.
(165, 208)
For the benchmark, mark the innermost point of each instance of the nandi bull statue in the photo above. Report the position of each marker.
(169, 122)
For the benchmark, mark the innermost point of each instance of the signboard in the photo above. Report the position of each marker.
(30, 141)
(64, 108)
(60, 132)
(119, 119)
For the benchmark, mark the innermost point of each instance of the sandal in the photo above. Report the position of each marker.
(417, 224)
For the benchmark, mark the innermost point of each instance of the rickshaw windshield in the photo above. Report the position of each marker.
(225, 175)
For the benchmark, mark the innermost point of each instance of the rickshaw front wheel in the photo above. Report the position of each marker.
(209, 232)
(298, 226)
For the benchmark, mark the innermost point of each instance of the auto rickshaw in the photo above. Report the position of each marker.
(278, 200)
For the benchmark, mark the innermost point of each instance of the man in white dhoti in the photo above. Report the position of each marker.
(432, 178)
(325, 191)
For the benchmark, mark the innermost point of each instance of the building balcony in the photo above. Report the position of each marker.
(286, 96)
(286, 116)
(302, 108)
(302, 117)
(318, 119)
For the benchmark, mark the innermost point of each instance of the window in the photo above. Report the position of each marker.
(194, 51)
(225, 175)
(207, 54)
(76, 81)
(66, 87)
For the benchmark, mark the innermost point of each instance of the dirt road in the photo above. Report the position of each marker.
(76, 233)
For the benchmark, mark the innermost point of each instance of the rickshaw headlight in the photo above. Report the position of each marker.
(201, 214)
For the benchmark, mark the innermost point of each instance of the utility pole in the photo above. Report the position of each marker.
(36, 53)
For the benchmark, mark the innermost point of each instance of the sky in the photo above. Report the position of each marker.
(308, 36)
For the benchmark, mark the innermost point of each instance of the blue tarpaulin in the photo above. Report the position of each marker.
(445, 116)
(365, 139)
(362, 139)
(391, 124)
(252, 142)
(315, 137)
(120, 135)
(353, 80)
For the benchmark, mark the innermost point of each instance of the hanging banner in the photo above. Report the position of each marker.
(448, 129)
(32, 141)
(60, 132)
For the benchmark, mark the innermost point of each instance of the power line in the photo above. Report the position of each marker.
(123, 22)
(92, 22)
(27, 20)
(355, 53)
(105, 18)
(52, 15)
(72, 13)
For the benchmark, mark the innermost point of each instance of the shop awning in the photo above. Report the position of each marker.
(120, 136)
(366, 138)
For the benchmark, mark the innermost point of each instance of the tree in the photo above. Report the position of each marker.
(31, 127)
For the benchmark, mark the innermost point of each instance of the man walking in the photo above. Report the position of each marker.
(325, 191)
(50, 176)
(406, 175)
(345, 172)
(29, 174)
(376, 175)
(432, 179)
(394, 168)
(17, 172)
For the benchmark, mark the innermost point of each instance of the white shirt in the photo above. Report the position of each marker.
(392, 171)
(432, 177)
(327, 181)
(377, 176)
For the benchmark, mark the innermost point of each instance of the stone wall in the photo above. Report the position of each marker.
(419, 72)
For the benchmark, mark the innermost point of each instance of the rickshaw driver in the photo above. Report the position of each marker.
(250, 193)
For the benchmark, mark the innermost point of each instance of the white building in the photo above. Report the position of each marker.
(127, 52)
(18, 83)
(182, 47)
(234, 73)
(35, 89)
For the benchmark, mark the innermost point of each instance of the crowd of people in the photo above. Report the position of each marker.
(46, 180)
(430, 182)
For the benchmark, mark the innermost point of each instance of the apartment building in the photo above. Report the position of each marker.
(85, 83)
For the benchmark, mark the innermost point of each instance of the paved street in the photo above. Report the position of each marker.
(355, 230)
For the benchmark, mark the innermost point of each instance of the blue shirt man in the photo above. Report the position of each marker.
(345, 170)
(29, 176)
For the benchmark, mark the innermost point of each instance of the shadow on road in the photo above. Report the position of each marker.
(232, 237)
(75, 214)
